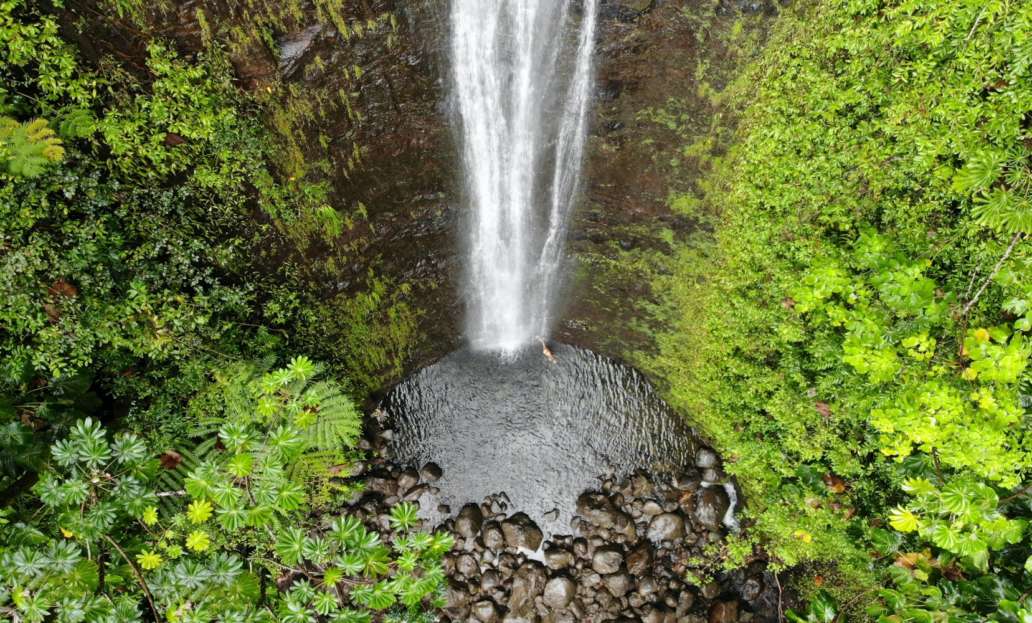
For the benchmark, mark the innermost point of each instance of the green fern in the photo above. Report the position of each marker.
(254, 394)
(337, 421)
(27, 148)
(178, 464)
(77, 123)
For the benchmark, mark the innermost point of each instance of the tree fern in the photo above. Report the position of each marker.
(254, 392)
(177, 465)
(253, 413)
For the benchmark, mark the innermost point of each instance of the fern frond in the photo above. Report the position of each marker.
(191, 456)
(338, 422)
(27, 148)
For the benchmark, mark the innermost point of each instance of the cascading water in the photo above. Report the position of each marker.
(540, 429)
(522, 79)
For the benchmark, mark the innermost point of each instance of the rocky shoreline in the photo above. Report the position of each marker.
(637, 549)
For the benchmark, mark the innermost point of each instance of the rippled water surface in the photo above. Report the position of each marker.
(542, 432)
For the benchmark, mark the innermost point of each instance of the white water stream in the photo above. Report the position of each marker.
(522, 80)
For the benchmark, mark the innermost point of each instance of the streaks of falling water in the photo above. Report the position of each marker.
(522, 81)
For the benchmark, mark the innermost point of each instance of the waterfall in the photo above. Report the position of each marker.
(522, 81)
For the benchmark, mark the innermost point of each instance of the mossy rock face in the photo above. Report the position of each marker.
(385, 151)
(660, 76)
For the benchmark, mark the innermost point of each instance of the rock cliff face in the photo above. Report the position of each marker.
(660, 65)
(368, 114)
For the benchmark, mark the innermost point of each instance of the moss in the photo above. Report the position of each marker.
(648, 161)
(365, 335)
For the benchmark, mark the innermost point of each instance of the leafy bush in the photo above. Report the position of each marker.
(855, 337)
(108, 543)
(111, 259)
(27, 148)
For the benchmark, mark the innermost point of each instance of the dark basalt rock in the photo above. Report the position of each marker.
(521, 533)
(469, 521)
(666, 527)
(491, 534)
(485, 611)
(711, 503)
(559, 592)
(724, 612)
(634, 541)
(706, 458)
(557, 558)
(607, 560)
(528, 582)
(431, 472)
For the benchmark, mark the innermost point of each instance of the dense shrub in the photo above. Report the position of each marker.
(218, 529)
(126, 236)
(133, 215)
(856, 336)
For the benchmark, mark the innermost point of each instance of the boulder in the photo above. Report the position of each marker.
(666, 527)
(607, 560)
(491, 533)
(467, 566)
(639, 560)
(527, 583)
(559, 592)
(469, 521)
(711, 504)
(724, 612)
(485, 611)
(597, 509)
(431, 472)
(407, 479)
(618, 584)
(706, 458)
(521, 532)
(557, 558)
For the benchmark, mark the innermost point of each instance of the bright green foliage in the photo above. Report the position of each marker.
(111, 262)
(144, 227)
(157, 247)
(856, 336)
(270, 425)
(27, 148)
(96, 484)
(202, 556)
(821, 609)
(145, 256)
(71, 399)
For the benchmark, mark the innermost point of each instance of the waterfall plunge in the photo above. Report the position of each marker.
(522, 79)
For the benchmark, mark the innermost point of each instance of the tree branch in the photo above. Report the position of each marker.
(1014, 241)
(139, 576)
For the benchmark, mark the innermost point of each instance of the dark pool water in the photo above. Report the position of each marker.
(539, 431)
